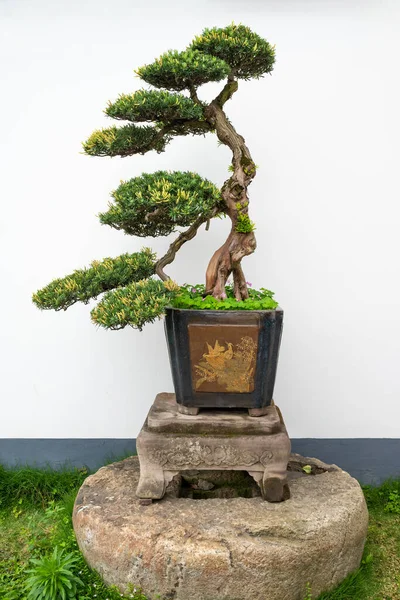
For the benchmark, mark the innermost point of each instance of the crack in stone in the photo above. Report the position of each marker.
(266, 535)
(336, 568)
(230, 556)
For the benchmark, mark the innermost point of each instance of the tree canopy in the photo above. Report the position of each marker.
(247, 54)
(84, 284)
(180, 70)
(134, 305)
(125, 141)
(154, 105)
(157, 204)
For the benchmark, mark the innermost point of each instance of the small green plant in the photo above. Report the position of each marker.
(393, 503)
(308, 595)
(53, 578)
(386, 493)
(192, 297)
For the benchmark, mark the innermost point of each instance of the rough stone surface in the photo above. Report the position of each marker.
(223, 549)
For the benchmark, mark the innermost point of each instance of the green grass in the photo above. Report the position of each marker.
(37, 487)
(378, 578)
(35, 517)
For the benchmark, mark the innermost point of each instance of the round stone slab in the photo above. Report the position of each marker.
(223, 548)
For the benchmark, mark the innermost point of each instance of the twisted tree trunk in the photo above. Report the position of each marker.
(227, 259)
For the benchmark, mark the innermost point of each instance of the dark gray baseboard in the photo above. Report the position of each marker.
(63, 453)
(370, 460)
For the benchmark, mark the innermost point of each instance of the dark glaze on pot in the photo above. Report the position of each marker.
(223, 359)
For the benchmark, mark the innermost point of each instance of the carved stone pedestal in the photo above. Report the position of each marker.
(171, 442)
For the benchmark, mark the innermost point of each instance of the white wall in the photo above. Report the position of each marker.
(324, 129)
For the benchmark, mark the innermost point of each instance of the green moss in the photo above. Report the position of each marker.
(244, 224)
(248, 165)
(192, 297)
(227, 92)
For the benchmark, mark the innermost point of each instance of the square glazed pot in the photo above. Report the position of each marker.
(224, 359)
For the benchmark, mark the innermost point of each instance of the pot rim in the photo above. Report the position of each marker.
(228, 311)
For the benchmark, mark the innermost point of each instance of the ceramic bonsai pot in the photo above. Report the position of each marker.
(223, 359)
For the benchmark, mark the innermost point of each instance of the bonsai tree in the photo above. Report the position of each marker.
(157, 204)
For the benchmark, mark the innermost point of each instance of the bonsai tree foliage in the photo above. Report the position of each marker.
(159, 203)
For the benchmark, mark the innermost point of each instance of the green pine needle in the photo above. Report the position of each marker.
(153, 105)
(181, 70)
(84, 284)
(124, 141)
(248, 55)
(155, 204)
(133, 305)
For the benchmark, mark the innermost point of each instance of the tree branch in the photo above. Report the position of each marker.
(226, 93)
(181, 127)
(153, 214)
(177, 127)
(184, 237)
(193, 94)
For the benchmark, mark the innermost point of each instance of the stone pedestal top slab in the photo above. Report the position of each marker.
(164, 417)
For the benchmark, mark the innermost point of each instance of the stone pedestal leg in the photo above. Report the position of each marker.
(152, 482)
(274, 489)
(274, 486)
(272, 482)
(257, 476)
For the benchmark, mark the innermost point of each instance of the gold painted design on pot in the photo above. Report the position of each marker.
(230, 367)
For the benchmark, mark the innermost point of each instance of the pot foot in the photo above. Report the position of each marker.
(188, 410)
(145, 501)
(258, 412)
